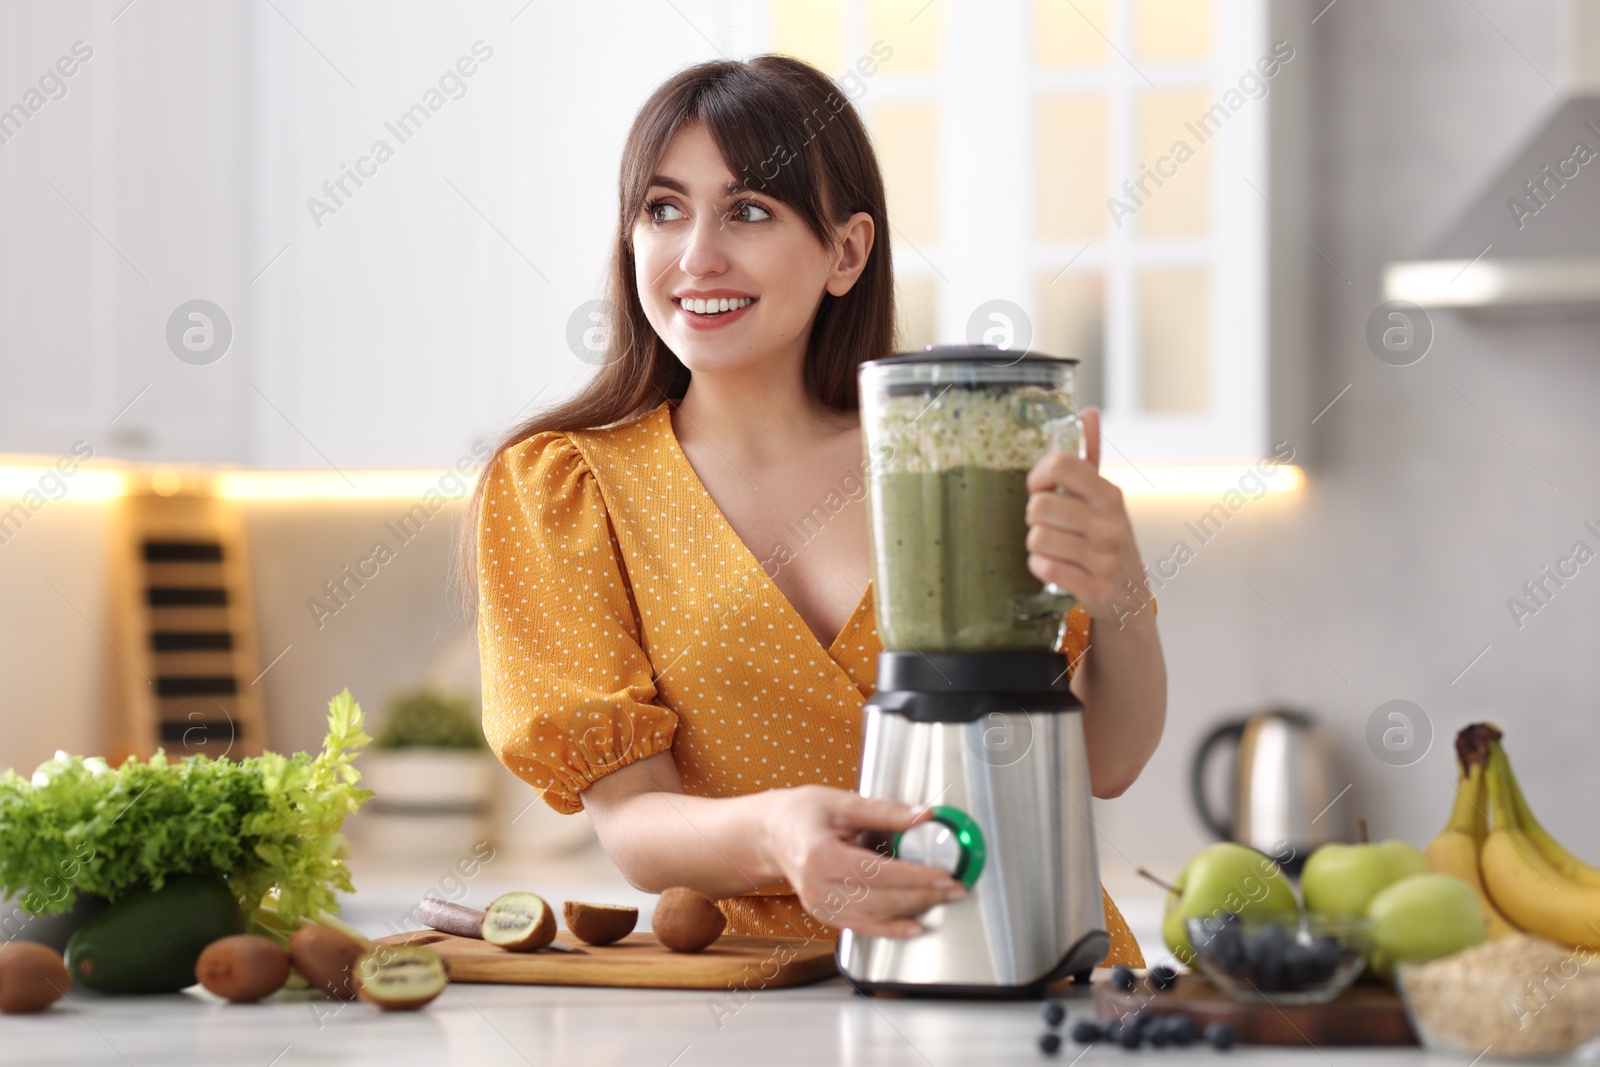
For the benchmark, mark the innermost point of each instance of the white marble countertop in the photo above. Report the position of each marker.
(489, 1025)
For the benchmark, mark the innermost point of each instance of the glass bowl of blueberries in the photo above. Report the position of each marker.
(1306, 960)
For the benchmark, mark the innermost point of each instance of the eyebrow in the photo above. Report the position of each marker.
(731, 189)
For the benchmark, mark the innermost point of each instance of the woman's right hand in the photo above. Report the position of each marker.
(809, 833)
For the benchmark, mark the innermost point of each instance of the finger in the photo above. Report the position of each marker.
(1072, 577)
(1061, 472)
(896, 874)
(852, 811)
(1091, 436)
(890, 928)
(1067, 513)
(1064, 545)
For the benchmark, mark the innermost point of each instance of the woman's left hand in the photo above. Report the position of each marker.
(1079, 535)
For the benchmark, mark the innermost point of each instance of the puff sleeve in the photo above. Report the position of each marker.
(567, 686)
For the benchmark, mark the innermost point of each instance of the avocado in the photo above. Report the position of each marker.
(149, 940)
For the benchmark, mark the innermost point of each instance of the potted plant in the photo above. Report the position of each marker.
(431, 776)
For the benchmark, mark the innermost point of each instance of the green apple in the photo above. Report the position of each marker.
(1345, 878)
(1422, 917)
(1225, 877)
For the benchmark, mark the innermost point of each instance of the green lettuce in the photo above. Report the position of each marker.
(268, 826)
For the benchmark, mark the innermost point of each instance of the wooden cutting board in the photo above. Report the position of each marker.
(638, 960)
(1361, 1015)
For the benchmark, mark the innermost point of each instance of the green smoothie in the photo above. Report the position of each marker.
(956, 565)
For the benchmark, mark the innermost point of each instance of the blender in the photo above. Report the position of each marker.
(972, 716)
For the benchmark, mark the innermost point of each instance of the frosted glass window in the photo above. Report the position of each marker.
(1172, 30)
(1072, 322)
(812, 30)
(912, 28)
(1175, 331)
(1067, 33)
(914, 313)
(1071, 162)
(1173, 175)
(906, 137)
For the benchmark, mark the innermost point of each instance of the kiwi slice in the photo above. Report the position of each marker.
(599, 924)
(400, 977)
(687, 920)
(521, 922)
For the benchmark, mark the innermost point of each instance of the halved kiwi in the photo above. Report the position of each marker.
(599, 924)
(521, 922)
(687, 920)
(400, 977)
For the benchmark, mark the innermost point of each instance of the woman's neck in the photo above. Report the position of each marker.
(758, 414)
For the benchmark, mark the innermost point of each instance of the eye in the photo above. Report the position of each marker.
(655, 209)
(746, 206)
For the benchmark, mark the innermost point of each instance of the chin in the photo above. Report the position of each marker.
(711, 358)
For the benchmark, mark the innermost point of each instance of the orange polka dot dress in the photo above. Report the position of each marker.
(621, 616)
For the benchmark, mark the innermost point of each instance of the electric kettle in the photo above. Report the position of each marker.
(1288, 793)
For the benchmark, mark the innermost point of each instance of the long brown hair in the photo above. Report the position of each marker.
(785, 129)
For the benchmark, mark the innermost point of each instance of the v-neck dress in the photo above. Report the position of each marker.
(620, 615)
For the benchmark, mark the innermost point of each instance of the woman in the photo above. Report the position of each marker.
(658, 650)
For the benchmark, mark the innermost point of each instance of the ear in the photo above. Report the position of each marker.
(855, 245)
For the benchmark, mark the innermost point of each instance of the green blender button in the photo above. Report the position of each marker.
(967, 837)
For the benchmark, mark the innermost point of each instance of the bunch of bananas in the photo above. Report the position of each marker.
(1524, 878)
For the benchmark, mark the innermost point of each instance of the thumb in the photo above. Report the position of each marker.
(1091, 436)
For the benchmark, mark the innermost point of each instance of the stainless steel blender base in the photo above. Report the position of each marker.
(1077, 963)
(1033, 912)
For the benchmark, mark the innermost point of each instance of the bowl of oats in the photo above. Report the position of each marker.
(1520, 998)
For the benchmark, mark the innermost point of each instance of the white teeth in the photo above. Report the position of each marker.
(716, 306)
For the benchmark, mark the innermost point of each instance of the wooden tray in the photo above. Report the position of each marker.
(1362, 1014)
(638, 960)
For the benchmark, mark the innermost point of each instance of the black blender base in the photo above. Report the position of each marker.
(1080, 959)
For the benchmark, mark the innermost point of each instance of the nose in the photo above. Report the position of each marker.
(702, 251)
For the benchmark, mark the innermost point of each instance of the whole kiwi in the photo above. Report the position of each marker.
(599, 924)
(326, 958)
(687, 920)
(243, 967)
(32, 977)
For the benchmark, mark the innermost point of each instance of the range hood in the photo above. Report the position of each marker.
(1532, 236)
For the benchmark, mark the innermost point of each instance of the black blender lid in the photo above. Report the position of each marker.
(991, 354)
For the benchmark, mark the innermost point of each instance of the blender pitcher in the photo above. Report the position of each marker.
(972, 714)
(953, 436)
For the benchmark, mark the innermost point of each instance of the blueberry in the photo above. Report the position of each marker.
(1122, 978)
(1163, 977)
(1049, 1042)
(1132, 1034)
(1298, 967)
(1158, 1034)
(1052, 1012)
(1183, 1030)
(1221, 1036)
(1087, 1032)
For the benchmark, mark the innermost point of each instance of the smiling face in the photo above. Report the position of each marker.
(728, 276)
